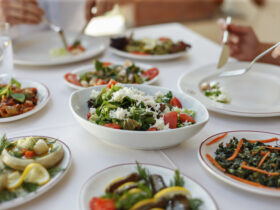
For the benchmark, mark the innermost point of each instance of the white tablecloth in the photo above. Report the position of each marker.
(91, 155)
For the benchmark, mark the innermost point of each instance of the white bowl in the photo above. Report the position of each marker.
(91, 67)
(139, 139)
(96, 184)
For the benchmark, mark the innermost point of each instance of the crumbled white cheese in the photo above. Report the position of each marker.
(159, 94)
(122, 72)
(92, 111)
(166, 110)
(94, 94)
(130, 92)
(119, 113)
(160, 124)
(84, 83)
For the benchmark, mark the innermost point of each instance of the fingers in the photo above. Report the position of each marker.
(222, 24)
(237, 29)
(88, 6)
(21, 11)
(276, 53)
(234, 49)
(234, 38)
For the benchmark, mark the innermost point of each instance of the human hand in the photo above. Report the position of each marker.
(243, 42)
(276, 52)
(88, 6)
(101, 6)
(20, 12)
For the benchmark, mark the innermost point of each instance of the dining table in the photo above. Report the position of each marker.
(90, 155)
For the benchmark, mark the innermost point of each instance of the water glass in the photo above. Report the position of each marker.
(6, 54)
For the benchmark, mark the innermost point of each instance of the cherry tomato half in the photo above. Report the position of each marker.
(171, 118)
(151, 73)
(112, 82)
(153, 129)
(184, 117)
(175, 102)
(29, 154)
(102, 204)
(112, 125)
(164, 39)
(139, 53)
(72, 78)
(105, 64)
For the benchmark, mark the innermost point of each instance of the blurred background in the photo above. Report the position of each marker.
(199, 15)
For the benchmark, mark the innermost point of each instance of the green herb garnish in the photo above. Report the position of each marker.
(8, 91)
(178, 180)
(29, 187)
(4, 143)
(54, 171)
(6, 195)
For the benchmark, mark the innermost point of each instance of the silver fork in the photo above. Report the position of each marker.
(245, 70)
(78, 37)
(58, 30)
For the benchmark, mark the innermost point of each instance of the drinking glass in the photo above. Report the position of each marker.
(6, 54)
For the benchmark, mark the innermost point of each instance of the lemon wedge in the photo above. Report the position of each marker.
(34, 173)
(170, 192)
(14, 180)
(143, 203)
(126, 185)
(113, 182)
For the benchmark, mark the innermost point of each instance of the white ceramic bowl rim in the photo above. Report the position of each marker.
(152, 132)
(145, 164)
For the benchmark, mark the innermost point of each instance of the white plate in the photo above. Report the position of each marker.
(255, 94)
(43, 98)
(64, 164)
(34, 49)
(147, 57)
(139, 139)
(96, 184)
(204, 149)
(91, 67)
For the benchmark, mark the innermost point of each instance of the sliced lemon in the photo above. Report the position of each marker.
(170, 192)
(142, 203)
(14, 180)
(135, 190)
(125, 185)
(114, 181)
(34, 173)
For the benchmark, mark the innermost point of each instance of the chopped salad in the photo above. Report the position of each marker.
(74, 49)
(215, 92)
(15, 100)
(249, 161)
(105, 71)
(149, 46)
(128, 108)
(142, 190)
